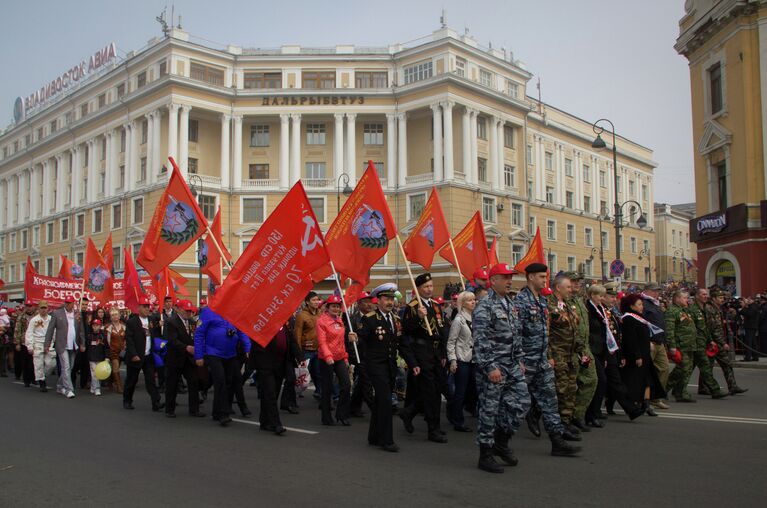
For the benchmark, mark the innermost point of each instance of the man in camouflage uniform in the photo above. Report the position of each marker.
(532, 311)
(715, 323)
(25, 363)
(502, 392)
(566, 351)
(681, 335)
(702, 340)
(587, 373)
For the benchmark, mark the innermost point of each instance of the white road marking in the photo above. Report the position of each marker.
(18, 383)
(292, 429)
(708, 418)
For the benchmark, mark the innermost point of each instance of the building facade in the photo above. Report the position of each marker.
(246, 124)
(675, 255)
(725, 42)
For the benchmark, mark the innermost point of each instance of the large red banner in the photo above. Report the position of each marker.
(55, 289)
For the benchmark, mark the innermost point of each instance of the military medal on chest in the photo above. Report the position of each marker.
(380, 332)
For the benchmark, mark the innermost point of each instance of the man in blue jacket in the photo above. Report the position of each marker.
(215, 344)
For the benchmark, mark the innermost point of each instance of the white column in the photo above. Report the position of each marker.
(61, 182)
(351, 147)
(13, 198)
(391, 150)
(577, 173)
(610, 189)
(226, 121)
(436, 121)
(595, 196)
(284, 169)
(183, 140)
(135, 158)
(113, 163)
(540, 169)
(108, 172)
(473, 141)
(92, 173)
(295, 149)
(3, 201)
(560, 165)
(130, 176)
(466, 144)
(492, 170)
(237, 156)
(401, 149)
(150, 149)
(172, 133)
(34, 206)
(449, 167)
(159, 157)
(501, 155)
(338, 145)
(77, 175)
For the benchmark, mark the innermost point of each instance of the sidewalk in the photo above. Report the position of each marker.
(762, 364)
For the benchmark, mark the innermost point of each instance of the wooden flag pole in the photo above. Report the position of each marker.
(412, 280)
(218, 247)
(346, 309)
(457, 265)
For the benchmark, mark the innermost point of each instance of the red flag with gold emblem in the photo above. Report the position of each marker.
(97, 275)
(430, 233)
(534, 254)
(470, 247)
(69, 269)
(176, 224)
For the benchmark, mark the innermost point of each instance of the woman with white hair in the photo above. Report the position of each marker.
(460, 351)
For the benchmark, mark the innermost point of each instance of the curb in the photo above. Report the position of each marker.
(750, 365)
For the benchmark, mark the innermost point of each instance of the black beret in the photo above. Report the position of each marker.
(422, 279)
(536, 268)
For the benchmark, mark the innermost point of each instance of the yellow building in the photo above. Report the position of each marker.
(725, 42)
(675, 255)
(91, 159)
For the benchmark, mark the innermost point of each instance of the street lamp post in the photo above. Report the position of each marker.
(680, 253)
(594, 250)
(646, 253)
(601, 245)
(196, 182)
(346, 191)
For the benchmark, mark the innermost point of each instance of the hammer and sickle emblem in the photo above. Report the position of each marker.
(310, 239)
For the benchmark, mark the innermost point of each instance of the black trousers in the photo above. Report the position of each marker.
(174, 372)
(382, 378)
(235, 389)
(23, 365)
(82, 368)
(616, 388)
(131, 379)
(221, 373)
(430, 385)
(599, 394)
(362, 390)
(269, 383)
(341, 370)
(288, 398)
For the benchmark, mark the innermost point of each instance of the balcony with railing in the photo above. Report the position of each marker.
(422, 178)
(260, 183)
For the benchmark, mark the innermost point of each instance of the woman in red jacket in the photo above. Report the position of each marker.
(334, 360)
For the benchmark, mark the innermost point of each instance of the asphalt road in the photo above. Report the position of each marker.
(89, 451)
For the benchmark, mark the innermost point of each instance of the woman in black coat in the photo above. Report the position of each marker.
(635, 346)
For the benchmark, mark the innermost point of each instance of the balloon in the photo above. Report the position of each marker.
(398, 295)
(103, 370)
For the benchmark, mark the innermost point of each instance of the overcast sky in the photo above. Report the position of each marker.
(595, 58)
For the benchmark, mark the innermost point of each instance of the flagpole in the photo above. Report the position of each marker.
(218, 247)
(457, 265)
(412, 280)
(346, 309)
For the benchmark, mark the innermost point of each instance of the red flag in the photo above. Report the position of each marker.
(2, 283)
(176, 224)
(534, 255)
(131, 283)
(492, 254)
(352, 293)
(69, 270)
(273, 275)
(360, 234)
(210, 259)
(97, 275)
(177, 282)
(470, 247)
(30, 267)
(163, 287)
(430, 233)
(108, 254)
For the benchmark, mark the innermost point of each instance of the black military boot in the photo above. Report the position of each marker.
(43, 386)
(737, 389)
(580, 425)
(569, 435)
(561, 448)
(533, 418)
(501, 448)
(487, 461)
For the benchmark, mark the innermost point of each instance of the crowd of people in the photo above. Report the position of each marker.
(556, 352)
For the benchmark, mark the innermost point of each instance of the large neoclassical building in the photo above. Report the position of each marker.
(87, 155)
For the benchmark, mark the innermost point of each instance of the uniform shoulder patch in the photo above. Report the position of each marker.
(413, 303)
(370, 314)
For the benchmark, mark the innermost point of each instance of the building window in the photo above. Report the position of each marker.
(715, 88)
(54, 126)
(371, 79)
(416, 203)
(481, 128)
(120, 90)
(12, 242)
(529, 154)
(418, 72)
(571, 233)
(509, 176)
(64, 230)
(516, 214)
(481, 169)
(721, 179)
(602, 178)
(549, 161)
(258, 171)
(516, 253)
(632, 188)
(588, 236)
(508, 136)
(207, 74)
(380, 169)
(121, 178)
(80, 258)
(603, 208)
(633, 272)
(316, 170)
(138, 211)
(80, 225)
(605, 240)
(142, 170)
(141, 79)
(262, 80)
(488, 209)
(530, 225)
(589, 267)
(485, 78)
(96, 217)
(259, 135)
(568, 167)
(646, 245)
(633, 243)
(315, 134)
(117, 258)
(587, 204)
(619, 183)
(460, 66)
(571, 263)
(569, 199)
(163, 68)
(122, 141)
(552, 258)
(117, 216)
(24, 239)
(49, 267)
(316, 80)
(191, 165)
(318, 206)
(645, 193)
(512, 88)
(373, 134)
(84, 110)
(549, 194)
(586, 174)
(194, 131)
(551, 230)
(207, 205)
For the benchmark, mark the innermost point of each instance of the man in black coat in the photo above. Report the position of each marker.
(655, 315)
(138, 356)
(750, 314)
(180, 360)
